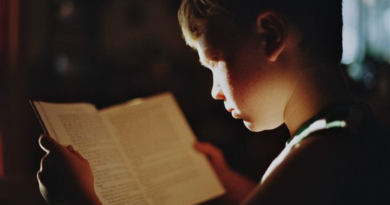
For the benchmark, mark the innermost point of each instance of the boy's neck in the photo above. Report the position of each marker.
(315, 89)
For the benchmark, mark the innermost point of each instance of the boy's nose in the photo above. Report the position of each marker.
(216, 92)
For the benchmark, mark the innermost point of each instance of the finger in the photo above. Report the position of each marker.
(215, 157)
(207, 148)
(49, 162)
(73, 151)
(44, 158)
(46, 167)
(49, 144)
(214, 154)
(41, 177)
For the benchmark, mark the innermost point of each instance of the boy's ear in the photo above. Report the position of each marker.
(274, 31)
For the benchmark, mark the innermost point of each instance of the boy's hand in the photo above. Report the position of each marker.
(65, 176)
(215, 157)
(237, 186)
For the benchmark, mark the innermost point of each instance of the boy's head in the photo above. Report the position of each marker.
(258, 49)
(319, 21)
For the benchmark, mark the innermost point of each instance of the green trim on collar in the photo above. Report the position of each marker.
(316, 126)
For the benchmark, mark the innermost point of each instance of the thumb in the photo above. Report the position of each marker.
(49, 144)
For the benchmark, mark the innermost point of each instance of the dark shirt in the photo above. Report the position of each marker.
(341, 156)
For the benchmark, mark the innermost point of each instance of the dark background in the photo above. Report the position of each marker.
(107, 52)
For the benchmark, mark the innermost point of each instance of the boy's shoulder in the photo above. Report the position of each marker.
(333, 166)
(363, 143)
(348, 128)
(355, 163)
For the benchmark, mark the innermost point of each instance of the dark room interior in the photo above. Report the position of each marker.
(108, 52)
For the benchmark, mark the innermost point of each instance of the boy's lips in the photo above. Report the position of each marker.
(234, 114)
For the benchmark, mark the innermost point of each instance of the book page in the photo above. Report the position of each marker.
(158, 144)
(80, 125)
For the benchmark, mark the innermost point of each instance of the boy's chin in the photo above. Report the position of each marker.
(252, 127)
(259, 127)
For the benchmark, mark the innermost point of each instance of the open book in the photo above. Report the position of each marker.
(140, 152)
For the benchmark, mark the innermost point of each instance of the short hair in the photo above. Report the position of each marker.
(320, 21)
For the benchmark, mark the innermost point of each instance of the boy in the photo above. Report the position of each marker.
(273, 62)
